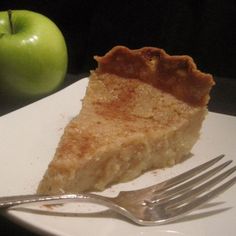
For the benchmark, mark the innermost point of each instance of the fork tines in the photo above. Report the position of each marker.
(193, 188)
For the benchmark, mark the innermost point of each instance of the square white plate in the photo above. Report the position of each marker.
(29, 136)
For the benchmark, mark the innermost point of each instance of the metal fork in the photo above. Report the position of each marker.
(154, 205)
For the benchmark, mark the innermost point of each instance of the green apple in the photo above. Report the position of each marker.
(33, 54)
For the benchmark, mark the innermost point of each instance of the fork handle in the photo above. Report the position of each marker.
(10, 201)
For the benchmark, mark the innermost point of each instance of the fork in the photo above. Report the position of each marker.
(158, 204)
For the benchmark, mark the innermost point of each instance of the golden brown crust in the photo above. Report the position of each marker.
(177, 75)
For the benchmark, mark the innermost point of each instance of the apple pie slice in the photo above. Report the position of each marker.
(143, 109)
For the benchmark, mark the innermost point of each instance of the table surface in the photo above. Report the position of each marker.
(223, 100)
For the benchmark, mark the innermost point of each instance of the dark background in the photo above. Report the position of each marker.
(203, 29)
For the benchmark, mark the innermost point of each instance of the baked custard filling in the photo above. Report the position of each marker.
(143, 109)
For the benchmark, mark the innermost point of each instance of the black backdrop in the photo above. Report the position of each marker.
(203, 29)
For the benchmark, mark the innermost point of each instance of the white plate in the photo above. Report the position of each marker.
(29, 136)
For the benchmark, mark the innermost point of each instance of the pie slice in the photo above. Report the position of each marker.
(143, 109)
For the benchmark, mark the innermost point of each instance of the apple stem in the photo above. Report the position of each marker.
(10, 21)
